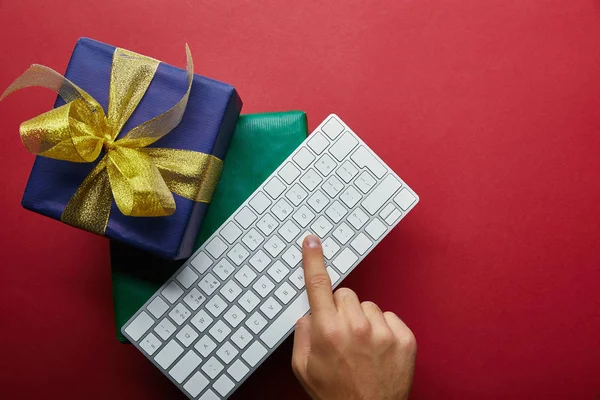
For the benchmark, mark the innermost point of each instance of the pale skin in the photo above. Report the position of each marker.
(345, 349)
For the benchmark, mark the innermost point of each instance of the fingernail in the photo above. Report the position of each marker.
(312, 241)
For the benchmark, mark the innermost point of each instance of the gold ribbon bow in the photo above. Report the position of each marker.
(140, 179)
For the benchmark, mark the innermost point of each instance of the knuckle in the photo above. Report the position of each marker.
(331, 334)
(344, 295)
(407, 340)
(370, 305)
(361, 328)
(319, 281)
(384, 338)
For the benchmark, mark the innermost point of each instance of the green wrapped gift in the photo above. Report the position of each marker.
(260, 144)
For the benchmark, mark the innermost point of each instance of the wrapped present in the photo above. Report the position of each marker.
(132, 150)
(137, 275)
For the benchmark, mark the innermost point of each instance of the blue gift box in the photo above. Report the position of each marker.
(207, 126)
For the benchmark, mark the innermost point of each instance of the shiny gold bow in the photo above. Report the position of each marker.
(140, 179)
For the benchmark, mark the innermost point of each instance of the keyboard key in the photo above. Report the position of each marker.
(333, 276)
(256, 322)
(165, 329)
(303, 216)
(347, 171)
(209, 395)
(317, 143)
(270, 307)
(223, 269)
(365, 182)
(286, 321)
(278, 271)
(157, 307)
(238, 370)
(238, 254)
(288, 173)
(219, 331)
(274, 246)
(201, 320)
(296, 194)
(343, 146)
(267, 224)
(172, 292)
(357, 218)
(321, 226)
(318, 201)
(253, 239)
(205, 345)
(241, 337)
(223, 385)
(179, 314)
(336, 211)
(194, 299)
(184, 367)
(260, 260)
(245, 276)
(168, 354)
(209, 284)
(234, 316)
(364, 159)
(187, 277)
(378, 197)
(216, 247)
(303, 158)
(249, 301)
(311, 179)
(254, 354)
(263, 286)
(282, 209)
(292, 256)
(260, 202)
(361, 243)
(150, 344)
(375, 228)
(332, 127)
(325, 165)
(201, 262)
(285, 293)
(216, 305)
(385, 211)
(405, 199)
(343, 233)
(350, 197)
(274, 187)
(297, 278)
(212, 367)
(345, 260)
(245, 217)
(333, 186)
(393, 217)
(187, 335)
(289, 231)
(231, 290)
(231, 232)
(227, 352)
(330, 248)
(196, 384)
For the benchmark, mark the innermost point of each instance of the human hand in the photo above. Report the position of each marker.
(345, 349)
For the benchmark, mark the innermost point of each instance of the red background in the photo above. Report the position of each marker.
(488, 109)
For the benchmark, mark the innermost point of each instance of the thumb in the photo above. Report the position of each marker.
(301, 345)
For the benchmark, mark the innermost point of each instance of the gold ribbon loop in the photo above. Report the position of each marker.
(139, 179)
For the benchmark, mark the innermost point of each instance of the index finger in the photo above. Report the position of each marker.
(318, 283)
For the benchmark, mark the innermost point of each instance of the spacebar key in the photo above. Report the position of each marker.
(282, 325)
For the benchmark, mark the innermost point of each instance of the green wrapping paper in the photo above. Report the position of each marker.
(260, 144)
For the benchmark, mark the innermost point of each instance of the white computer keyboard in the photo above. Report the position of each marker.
(239, 296)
